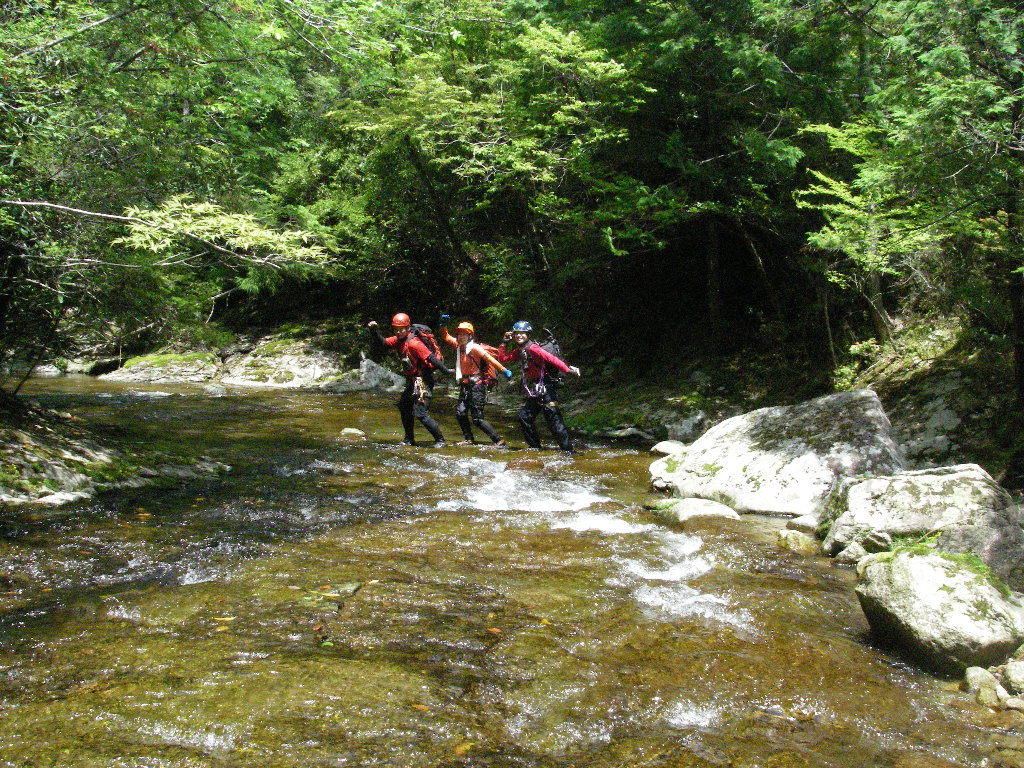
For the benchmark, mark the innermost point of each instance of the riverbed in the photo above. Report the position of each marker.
(337, 600)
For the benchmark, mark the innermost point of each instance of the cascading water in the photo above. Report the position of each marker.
(343, 602)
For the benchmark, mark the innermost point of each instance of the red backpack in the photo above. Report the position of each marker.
(487, 368)
(424, 334)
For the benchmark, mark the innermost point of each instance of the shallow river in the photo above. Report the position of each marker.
(334, 601)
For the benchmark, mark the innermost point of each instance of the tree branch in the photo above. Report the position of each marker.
(80, 30)
(134, 220)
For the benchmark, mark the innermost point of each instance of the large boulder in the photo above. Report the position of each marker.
(786, 459)
(163, 368)
(370, 375)
(945, 613)
(963, 504)
(280, 361)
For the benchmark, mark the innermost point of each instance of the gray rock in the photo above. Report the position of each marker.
(795, 541)
(976, 678)
(1014, 703)
(852, 554)
(1014, 676)
(805, 524)
(62, 497)
(963, 503)
(668, 448)
(167, 369)
(283, 362)
(376, 376)
(681, 510)
(688, 429)
(628, 433)
(989, 697)
(877, 541)
(946, 615)
(785, 460)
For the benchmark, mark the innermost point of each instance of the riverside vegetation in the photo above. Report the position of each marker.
(720, 207)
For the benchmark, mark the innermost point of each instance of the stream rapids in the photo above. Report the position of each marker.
(337, 601)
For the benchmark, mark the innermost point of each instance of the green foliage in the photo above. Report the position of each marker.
(932, 193)
(515, 159)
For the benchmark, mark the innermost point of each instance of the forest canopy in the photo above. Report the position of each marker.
(733, 172)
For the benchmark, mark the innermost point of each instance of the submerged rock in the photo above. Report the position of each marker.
(681, 510)
(796, 541)
(524, 462)
(947, 615)
(785, 460)
(58, 462)
(963, 505)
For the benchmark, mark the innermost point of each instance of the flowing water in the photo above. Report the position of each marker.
(334, 601)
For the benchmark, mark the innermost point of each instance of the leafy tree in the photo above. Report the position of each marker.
(120, 107)
(938, 153)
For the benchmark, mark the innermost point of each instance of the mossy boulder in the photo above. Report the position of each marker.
(786, 459)
(962, 507)
(943, 610)
(167, 368)
(283, 361)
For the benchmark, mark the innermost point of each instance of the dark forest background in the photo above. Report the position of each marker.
(656, 179)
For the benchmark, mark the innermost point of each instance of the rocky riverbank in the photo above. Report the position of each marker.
(939, 552)
(48, 458)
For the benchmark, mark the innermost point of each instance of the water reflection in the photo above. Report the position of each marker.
(352, 602)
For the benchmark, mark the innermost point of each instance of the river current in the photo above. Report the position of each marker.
(343, 601)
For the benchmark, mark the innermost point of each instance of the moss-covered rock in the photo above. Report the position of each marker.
(942, 610)
(167, 368)
(786, 459)
(47, 458)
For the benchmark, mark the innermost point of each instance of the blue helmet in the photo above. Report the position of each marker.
(523, 326)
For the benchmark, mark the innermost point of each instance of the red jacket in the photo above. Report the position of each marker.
(537, 359)
(415, 351)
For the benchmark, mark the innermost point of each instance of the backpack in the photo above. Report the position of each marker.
(424, 334)
(550, 344)
(487, 369)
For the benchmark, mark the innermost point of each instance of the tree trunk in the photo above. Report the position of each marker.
(11, 264)
(876, 306)
(1015, 287)
(762, 272)
(715, 335)
(441, 212)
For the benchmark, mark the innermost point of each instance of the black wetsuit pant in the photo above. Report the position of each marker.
(472, 399)
(548, 405)
(414, 404)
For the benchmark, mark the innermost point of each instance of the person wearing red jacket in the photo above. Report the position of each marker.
(419, 362)
(540, 389)
(475, 368)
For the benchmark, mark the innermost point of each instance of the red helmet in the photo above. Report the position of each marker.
(401, 320)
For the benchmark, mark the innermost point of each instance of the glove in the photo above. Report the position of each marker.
(507, 374)
(574, 370)
(445, 319)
